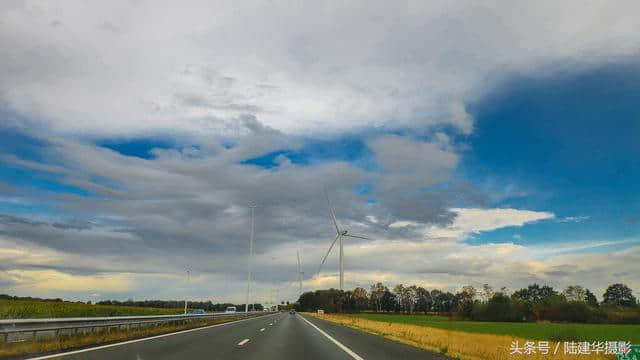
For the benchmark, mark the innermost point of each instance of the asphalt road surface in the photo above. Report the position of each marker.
(272, 337)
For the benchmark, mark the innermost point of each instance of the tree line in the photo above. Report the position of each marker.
(533, 303)
(173, 304)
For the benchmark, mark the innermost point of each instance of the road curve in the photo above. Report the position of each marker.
(272, 337)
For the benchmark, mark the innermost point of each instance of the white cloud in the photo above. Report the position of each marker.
(402, 224)
(468, 221)
(449, 265)
(47, 280)
(127, 68)
(573, 219)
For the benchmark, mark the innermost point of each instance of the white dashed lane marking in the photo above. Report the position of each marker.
(338, 343)
(243, 342)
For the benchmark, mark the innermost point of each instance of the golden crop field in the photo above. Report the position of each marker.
(455, 344)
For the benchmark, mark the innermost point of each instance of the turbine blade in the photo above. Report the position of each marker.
(327, 254)
(357, 236)
(332, 212)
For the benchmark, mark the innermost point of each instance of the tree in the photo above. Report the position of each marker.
(411, 297)
(360, 299)
(423, 302)
(487, 292)
(575, 293)
(388, 301)
(468, 293)
(448, 302)
(535, 294)
(591, 298)
(618, 295)
(436, 300)
(377, 291)
(400, 293)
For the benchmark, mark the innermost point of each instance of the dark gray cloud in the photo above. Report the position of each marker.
(152, 216)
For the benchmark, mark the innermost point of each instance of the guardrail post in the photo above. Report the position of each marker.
(6, 337)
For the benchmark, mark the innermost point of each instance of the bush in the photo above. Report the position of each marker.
(621, 315)
(465, 310)
(567, 311)
(499, 308)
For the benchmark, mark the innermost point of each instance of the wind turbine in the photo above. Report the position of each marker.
(339, 235)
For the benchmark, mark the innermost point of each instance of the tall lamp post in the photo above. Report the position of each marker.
(246, 305)
(188, 283)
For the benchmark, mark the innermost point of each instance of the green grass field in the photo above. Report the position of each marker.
(22, 309)
(533, 331)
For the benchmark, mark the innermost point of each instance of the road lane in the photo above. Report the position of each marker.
(373, 347)
(219, 342)
(272, 337)
(291, 338)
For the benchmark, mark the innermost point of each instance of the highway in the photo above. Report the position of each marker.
(271, 337)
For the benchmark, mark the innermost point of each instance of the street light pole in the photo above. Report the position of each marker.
(188, 283)
(246, 305)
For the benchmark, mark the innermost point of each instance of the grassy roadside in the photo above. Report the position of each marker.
(70, 342)
(22, 309)
(531, 331)
(452, 343)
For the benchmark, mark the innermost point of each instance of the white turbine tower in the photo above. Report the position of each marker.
(339, 235)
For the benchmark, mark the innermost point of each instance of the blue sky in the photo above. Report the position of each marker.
(497, 149)
(570, 140)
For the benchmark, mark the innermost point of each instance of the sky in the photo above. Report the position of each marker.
(472, 143)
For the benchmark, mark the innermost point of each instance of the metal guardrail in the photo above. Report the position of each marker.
(22, 329)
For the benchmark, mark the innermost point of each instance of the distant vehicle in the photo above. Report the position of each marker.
(230, 309)
(292, 312)
(198, 312)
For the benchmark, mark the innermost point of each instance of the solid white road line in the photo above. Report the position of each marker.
(243, 342)
(344, 348)
(137, 340)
